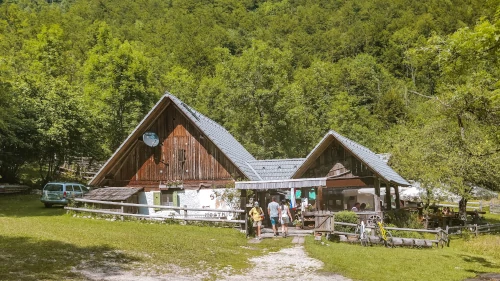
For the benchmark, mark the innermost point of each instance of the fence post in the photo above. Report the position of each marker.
(185, 213)
(247, 233)
(481, 205)
(123, 210)
(243, 206)
(475, 230)
(333, 222)
(447, 236)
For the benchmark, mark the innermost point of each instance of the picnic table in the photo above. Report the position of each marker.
(442, 220)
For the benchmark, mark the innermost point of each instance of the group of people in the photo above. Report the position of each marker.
(279, 214)
(447, 211)
(359, 207)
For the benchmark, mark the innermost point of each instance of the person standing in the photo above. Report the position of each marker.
(285, 217)
(257, 215)
(274, 212)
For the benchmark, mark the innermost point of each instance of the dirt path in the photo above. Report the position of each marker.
(287, 264)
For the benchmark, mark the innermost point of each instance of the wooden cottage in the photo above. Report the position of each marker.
(333, 177)
(178, 156)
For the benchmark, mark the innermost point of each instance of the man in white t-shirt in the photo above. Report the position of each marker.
(356, 207)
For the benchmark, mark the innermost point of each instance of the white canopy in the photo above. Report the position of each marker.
(416, 193)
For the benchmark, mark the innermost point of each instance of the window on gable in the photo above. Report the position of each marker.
(181, 155)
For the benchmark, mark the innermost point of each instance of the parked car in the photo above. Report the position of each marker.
(58, 193)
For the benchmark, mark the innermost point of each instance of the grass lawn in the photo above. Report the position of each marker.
(37, 243)
(461, 260)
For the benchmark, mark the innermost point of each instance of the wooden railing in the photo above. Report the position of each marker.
(13, 188)
(325, 223)
(475, 229)
(184, 217)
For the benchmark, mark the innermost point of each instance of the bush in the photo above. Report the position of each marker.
(404, 234)
(346, 216)
(403, 219)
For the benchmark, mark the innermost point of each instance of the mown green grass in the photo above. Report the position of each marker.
(37, 243)
(463, 259)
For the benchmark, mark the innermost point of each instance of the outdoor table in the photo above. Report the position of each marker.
(442, 220)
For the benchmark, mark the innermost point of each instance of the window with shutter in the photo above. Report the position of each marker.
(170, 198)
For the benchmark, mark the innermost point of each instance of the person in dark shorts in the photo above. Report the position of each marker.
(274, 212)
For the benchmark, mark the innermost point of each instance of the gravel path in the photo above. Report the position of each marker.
(287, 264)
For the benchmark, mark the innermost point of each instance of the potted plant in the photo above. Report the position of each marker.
(297, 223)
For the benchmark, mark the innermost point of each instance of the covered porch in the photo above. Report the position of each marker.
(310, 196)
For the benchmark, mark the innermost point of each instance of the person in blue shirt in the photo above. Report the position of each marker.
(274, 212)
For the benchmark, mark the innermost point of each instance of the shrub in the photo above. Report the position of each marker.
(346, 216)
(403, 219)
(404, 234)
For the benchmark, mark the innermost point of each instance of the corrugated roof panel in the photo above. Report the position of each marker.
(276, 169)
(112, 193)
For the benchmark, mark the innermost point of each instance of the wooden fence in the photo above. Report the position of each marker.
(493, 204)
(184, 217)
(325, 223)
(475, 229)
(495, 207)
(13, 188)
(324, 220)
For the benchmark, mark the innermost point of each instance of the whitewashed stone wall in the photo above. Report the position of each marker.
(204, 198)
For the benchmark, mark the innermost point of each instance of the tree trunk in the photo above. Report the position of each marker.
(462, 209)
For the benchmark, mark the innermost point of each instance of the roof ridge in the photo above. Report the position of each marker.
(285, 159)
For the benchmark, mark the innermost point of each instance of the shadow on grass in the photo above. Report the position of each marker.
(20, 205)
(484, 262)
(492, 218)
(24, 258)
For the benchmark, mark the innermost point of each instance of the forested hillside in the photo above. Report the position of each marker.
(418, 79)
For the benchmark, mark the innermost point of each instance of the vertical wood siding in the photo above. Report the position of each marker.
(184, 154)
(335, 161)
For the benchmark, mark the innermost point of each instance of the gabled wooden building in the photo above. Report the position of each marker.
(333, 174)
(191, 153)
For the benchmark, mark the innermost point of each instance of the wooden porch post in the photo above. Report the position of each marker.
(398, 204)
(376, 198)
(319, 198)
(388, 196)
(243, 206)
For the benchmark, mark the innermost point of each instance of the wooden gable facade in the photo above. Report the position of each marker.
(340, 166)
(185, 156)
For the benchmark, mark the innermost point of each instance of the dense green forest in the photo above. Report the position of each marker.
(418, 79)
